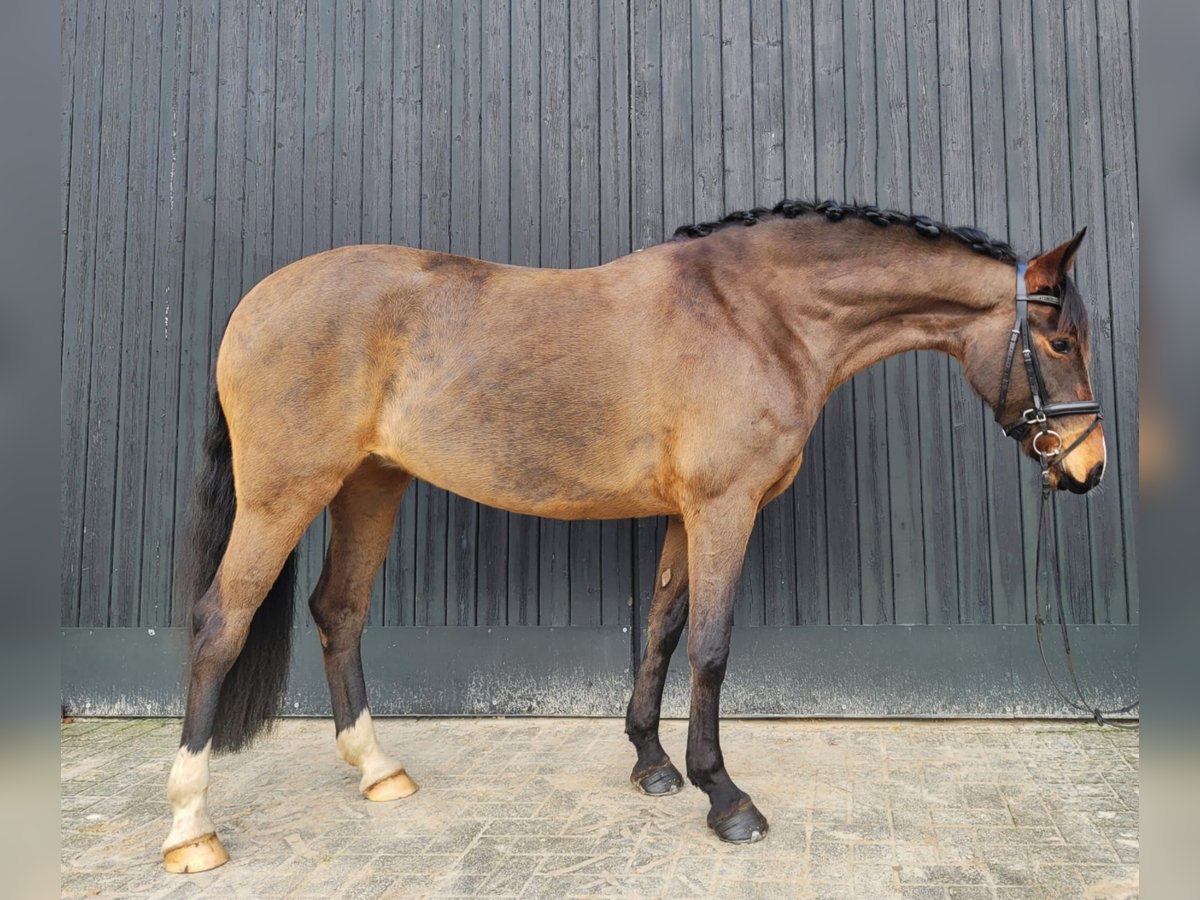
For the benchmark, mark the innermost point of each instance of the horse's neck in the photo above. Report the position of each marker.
(849, 309)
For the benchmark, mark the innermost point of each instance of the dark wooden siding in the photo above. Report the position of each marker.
(206, 145)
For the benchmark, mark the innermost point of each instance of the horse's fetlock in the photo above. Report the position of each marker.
(702, 766)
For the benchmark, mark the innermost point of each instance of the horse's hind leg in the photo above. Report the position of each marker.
(362, 516)
(262, 537)
(653, 773)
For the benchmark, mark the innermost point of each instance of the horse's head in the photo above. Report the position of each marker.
(1057, 334)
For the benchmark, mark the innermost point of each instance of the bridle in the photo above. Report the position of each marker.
(1048, 444)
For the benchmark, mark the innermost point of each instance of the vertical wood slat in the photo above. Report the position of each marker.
(990, 137)
(465, 171)
(348, 224)
(613, 213)
(868, 604)
(316, 213)
(258, 217)
(131, 430)
(1021, 137)
(868, 389)
(707, 152)
(1082, 125)
(526, 192)
(1074, 546)
(737, 75)
(104, 376)
(1101, 586)
(378, 89)
(195, 297)
(836, 427)
(646, 228)
(675, 178)
(408, 178)
(940, 602)
(1117, 95)
(706, 155)
(554, 571)
(523, 581)
(906, 592)
(540, 134)
(349, 162)
(958, 191)
(807, 497)
(69, 55)
(583, 70)
(777, 524)
(78, 305)
(1054, 155)
(436, 151)
(159, 512)
(289, 108)
(839, 562)
(492, 601)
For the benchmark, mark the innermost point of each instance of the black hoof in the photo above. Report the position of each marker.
(660, 781)
(743, 824)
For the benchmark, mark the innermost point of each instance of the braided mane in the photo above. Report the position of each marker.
(835, 212)
(1072, 319)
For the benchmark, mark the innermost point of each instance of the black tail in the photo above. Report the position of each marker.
(253, 689)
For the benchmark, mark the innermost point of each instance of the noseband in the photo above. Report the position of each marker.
(1047, 443)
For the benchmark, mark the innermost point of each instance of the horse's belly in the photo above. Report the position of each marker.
(550, 471)
(525, 488)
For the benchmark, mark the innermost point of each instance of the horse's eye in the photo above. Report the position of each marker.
(1060, 345)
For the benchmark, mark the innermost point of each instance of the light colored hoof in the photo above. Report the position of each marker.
(200, 855)
(395, 787)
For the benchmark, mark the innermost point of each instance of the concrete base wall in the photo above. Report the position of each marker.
(857, 671)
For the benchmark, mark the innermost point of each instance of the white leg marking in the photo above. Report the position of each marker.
(187, 789)
(357, 745)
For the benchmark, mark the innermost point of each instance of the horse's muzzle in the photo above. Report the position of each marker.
(1066, 481)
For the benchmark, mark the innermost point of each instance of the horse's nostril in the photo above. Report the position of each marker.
(1095, 475)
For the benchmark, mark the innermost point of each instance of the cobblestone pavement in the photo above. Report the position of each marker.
(543, 808)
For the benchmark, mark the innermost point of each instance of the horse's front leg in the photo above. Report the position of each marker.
(717, 537)
(653, 773)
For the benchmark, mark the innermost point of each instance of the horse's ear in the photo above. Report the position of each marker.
(1047, 270)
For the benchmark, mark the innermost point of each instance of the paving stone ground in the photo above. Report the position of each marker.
(543, 808)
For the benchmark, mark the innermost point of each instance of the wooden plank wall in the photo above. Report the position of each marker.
(207, 144)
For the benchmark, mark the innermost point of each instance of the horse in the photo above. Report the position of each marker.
(681, 380)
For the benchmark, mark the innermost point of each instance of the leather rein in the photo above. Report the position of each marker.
(1051, 450)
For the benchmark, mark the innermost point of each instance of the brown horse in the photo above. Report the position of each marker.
(681, 380)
